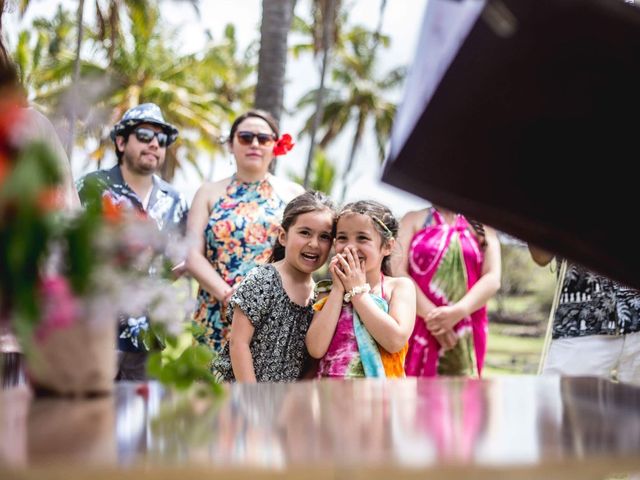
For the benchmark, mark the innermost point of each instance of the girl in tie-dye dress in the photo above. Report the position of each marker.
(456, 268)
(233, 222)
(361, 328)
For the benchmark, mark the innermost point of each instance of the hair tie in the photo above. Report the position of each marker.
(283, 145)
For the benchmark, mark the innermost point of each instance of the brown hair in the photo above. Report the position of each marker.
(310, 201)
(264, 115)
(382, 219)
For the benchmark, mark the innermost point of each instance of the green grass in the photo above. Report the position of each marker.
(514, 304)
(509, 354)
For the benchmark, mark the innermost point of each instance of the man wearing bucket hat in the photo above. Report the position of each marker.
(141, 139)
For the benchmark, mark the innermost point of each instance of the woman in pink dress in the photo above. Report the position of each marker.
(455, 265)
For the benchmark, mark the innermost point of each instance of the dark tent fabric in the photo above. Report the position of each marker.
(523, 114)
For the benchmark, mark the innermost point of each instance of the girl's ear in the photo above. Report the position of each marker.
(388, 247)
(282, 236)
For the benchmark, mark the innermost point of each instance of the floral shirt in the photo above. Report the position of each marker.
(242, 228)
(166, 206)
(277, 347)
(594, 305)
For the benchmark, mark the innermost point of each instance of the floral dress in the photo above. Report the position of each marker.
(445, 261)
(242, 228)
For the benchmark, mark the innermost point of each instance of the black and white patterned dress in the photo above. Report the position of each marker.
(277, 347)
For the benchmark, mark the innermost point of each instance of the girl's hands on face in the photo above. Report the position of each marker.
(334, 267)
(351, 270)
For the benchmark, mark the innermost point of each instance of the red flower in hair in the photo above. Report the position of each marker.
(283, 145)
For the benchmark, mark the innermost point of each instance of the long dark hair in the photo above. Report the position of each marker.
(383, 221)
(262, 114)
(310, 201)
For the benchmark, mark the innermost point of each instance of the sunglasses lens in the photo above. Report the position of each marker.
(162, 139)
(145, 135)
(246, 138)
(265, 139)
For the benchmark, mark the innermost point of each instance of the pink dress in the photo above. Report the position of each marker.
(354, 353)
(445, 261)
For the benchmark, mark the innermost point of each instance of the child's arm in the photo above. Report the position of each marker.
(446, 317)
(391, 330)
(241, 359)
(324, 322)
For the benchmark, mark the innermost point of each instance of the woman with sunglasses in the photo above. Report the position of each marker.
(233, 222)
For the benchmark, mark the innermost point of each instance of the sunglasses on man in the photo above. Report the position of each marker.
(145, 135)
(264, 139)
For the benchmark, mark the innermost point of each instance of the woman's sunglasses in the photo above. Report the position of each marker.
(145, 135)
(264, 139)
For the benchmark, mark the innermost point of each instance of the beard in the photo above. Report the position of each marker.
(141, 165)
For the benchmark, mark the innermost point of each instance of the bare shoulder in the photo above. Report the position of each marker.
(414, 219)
(209, 192)
(401, 285)
(286, 189)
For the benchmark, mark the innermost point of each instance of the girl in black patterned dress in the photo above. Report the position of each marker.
(272, 308)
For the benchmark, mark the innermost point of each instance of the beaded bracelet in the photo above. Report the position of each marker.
(356, 291)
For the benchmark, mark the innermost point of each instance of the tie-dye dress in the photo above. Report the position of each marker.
(446, 261)
(354, 353)
(242, 227)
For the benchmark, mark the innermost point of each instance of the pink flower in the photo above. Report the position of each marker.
(59, 306)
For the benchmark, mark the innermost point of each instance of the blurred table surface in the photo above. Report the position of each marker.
(507, 427)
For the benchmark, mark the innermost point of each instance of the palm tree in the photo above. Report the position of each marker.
(357, 95)
(75, 89)
(146, 69)
(272, 58)
(324, 33)
(43, 55)
(196, 92)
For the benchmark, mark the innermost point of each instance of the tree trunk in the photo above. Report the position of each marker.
(75, 86)
(327, 36)
(352, 155)
(272, 59)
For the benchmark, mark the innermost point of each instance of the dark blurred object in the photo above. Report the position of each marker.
(532, 127)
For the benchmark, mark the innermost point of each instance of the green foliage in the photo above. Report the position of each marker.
(323, 174)
(182, 367)
(128, 57)
(521, 276)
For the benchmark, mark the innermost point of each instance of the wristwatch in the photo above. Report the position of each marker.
(365, 288)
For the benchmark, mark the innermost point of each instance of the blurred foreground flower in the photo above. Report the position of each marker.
(66, 276)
